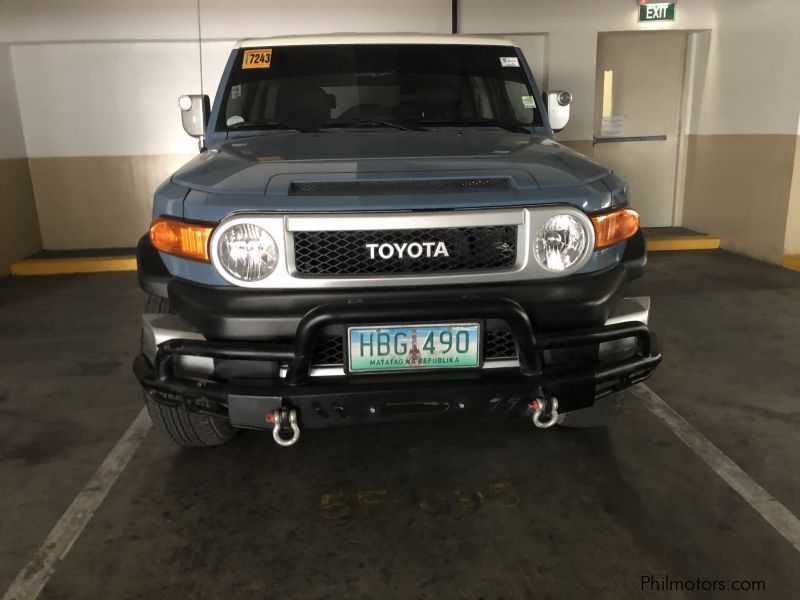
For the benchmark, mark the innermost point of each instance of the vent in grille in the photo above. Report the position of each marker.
(329, 351)
(499, 343)
(348, 252)
(399, 186)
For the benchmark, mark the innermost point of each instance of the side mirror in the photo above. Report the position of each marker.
(558, 103)
(195, 110)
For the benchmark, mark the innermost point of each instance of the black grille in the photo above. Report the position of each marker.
(348, 253)
(398, 186)
(329, 351)
(499, 343)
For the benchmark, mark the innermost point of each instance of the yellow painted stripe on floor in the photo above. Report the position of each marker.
(682, 242)
(792, 261)
(66, 266)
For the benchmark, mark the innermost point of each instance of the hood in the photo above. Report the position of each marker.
(269, 164)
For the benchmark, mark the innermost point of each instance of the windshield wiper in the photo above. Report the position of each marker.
(361, 122)
(508, 126)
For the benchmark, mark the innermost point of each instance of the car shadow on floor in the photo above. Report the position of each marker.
(395, 507)
(448, 510)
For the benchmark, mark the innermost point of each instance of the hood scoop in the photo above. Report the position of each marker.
(377, 187)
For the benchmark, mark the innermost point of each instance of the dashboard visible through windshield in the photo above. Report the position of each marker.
(399, 86)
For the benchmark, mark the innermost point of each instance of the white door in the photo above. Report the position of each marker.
(638, 98)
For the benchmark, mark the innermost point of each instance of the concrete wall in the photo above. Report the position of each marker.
(102, 129)
(741, 157)
(741, 120)
(98, 82)
(19, 229)
(572, 27)
(737, 188)
(792, 242)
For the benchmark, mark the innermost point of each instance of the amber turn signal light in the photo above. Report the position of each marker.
(614, 227)
(189, 240)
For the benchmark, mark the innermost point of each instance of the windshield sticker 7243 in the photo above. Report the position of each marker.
(257, 59)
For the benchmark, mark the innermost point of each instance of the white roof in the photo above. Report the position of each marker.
(370, 38)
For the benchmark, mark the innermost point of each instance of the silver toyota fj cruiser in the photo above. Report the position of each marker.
(381, 228)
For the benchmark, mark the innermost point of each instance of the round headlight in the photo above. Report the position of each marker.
(560, 243)
(247, 252)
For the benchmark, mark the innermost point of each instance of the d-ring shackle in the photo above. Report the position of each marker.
(539, 406)
(278, 418)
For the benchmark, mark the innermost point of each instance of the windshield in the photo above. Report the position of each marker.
(398, 86)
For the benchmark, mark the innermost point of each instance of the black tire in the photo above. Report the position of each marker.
(178, 424)
(601, 414)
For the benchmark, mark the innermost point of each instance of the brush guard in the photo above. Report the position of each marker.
(284, 404)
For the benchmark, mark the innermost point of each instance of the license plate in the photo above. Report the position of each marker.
(413, 347)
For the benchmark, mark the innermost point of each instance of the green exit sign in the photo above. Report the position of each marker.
(656, 11)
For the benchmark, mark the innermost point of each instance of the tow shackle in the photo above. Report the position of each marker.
(545, 411)
(284, 419)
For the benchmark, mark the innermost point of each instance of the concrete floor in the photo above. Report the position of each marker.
(465, 510)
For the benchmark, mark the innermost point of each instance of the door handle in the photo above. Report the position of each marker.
(632, 138)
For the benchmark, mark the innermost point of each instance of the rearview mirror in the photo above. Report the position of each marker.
(194, 114)
(558, 103)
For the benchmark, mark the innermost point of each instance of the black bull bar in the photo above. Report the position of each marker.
(405, 396)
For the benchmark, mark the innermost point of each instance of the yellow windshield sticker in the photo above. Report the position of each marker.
(257, 59)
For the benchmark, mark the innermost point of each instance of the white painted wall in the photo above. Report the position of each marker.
(102, 77)
(12, 142)
(572, 27)
(149, 74)
(791, 244)
(752, 82)
(233, 19)
(534, 47)
(19, 227)
(104, 99)
(81, 20)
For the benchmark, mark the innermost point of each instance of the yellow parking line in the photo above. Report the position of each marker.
(64, 266)
(792, 261)
(682, 242)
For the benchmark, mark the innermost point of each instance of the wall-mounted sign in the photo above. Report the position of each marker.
(650, 10)
(612, 127)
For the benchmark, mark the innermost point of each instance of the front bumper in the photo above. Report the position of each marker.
(182, 370)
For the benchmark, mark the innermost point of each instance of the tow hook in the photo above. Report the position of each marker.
(284, 420)
(547, 407)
